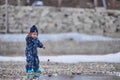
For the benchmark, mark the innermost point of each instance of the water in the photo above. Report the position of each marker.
(80, 78)
(64, 77)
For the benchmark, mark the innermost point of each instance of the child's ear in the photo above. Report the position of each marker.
(29, 34)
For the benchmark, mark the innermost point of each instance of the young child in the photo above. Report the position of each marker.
(32, 42)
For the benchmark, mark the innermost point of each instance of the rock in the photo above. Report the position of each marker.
(88, 20)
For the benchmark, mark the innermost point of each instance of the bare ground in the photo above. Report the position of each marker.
(10, 70)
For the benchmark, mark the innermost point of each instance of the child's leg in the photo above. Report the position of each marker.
(29, 60)
(36, 63)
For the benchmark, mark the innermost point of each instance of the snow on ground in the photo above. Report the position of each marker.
(53, 37)
(71, 58)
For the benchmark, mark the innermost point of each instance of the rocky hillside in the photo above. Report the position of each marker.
(60, 20)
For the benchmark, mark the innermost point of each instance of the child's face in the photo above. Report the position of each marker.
(34, 35)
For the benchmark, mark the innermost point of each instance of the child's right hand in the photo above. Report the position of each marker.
(43, 47)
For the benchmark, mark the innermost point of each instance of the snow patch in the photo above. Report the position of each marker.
(53, 37)
(71, 58)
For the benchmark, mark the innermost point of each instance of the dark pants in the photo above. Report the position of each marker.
(32, 62)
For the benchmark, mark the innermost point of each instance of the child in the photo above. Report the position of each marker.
(32, 43)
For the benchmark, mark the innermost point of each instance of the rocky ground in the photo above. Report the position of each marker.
(15, 70)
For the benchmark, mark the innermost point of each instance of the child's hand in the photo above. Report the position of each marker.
(43, 47)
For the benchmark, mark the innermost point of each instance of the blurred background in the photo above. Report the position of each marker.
(109, 4)
(66, 27)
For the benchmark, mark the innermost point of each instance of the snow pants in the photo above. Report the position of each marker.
(32, 62)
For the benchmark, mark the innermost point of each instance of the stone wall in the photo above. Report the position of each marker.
(60, 20)
(63, 48)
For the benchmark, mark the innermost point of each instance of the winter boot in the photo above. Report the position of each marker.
(38, 71)
(29, 71)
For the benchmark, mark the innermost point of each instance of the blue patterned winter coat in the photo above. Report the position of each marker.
(31, 46)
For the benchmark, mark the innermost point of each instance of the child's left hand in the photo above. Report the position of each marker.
(43, 47)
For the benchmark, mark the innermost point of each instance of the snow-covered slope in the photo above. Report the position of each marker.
(53, 37)
(71, 58)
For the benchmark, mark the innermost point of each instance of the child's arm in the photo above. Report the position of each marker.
(29, 44)
(40, 45)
